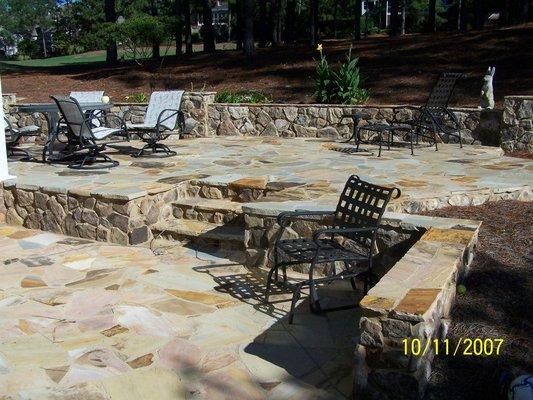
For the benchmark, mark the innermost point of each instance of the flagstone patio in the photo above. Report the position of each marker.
(301, 169)
(86, 320)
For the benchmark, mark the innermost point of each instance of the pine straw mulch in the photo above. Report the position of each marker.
(498, 303)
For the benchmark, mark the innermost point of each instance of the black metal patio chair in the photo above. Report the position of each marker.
(85, 141)
(13, 137)
(434, 120)
(163, 118)
(350, 239)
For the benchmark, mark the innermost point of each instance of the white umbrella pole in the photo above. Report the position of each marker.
(4, 173)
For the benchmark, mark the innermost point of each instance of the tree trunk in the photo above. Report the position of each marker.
(111, 17)
(479, 14)
(208, 33)
(523, 11)
(461, 18)
(179, 27)
(156, 43)
(335, 17)
(394, 20)
(275, 18)
(263, 23)
(186, 10)
(403, 14)
(357, 22)
(313, 23)
(248, 40)
(432, 17)
(239, 4)
(290, 16)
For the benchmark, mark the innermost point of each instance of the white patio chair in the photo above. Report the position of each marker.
(163, 118)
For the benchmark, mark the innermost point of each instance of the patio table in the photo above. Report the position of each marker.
(51, 113)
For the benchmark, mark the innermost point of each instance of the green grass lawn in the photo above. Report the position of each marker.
(93, 57)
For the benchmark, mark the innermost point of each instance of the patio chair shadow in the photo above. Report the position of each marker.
(316, 349)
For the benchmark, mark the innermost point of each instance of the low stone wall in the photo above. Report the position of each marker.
(194, 106)
(80, 213)
(412, 302)
(517, 124)
(315, 120)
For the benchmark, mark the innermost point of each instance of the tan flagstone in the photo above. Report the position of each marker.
(152, 383)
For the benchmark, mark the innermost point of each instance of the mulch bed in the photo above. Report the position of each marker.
(498, 303)
(395, 70)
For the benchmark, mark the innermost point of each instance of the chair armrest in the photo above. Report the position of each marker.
(285, 217)
(341, 231)
(172, 111)
(105, 118)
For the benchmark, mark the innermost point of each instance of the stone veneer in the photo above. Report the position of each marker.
(412, 301)
(78, 212)
(315, 120)
(517, 129)
(194, 107)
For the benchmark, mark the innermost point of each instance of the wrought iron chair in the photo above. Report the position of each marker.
(163, 116)
(350, 239)
(85, 141)
(13, 137)
(434, 119)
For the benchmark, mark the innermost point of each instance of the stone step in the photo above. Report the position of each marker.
(209, 253)
(217, 211)
(202, 233)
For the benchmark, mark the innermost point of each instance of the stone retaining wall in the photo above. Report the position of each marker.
(194, 106)
(312, 120)
(78, 213)
(517, 124)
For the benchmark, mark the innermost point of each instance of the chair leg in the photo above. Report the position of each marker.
(269, 282)
(295, 297)
(155, 147)
(314, 302)
(91, 158)
(12, 152)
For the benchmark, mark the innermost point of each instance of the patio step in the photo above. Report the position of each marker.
(217, 211)
(202, 233)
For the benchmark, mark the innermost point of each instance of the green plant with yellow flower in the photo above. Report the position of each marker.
(339, 87)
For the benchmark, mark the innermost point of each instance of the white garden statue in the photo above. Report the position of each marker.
(487, 91)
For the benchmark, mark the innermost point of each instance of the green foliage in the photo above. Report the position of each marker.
(339, 87)
(418, 14)
(248, 96)
(28, 48)
(138, 33)
(139, 97)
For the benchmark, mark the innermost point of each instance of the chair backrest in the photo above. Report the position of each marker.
(12, 134)
(160, 101)
(362, 204)
(94, 96)
(442, 91)
(88, 97)
(74, 117)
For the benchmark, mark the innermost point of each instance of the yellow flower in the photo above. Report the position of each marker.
(319, 47)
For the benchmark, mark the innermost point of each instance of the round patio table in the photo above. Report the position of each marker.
(51, 113)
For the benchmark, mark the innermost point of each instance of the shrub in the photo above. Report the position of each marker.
(139, 97)
(339, 87)
(249, 96)
(29, 48)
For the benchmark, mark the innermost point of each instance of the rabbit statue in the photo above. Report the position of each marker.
(487, 91)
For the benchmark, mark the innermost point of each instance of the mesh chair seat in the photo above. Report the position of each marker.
(305, 249)
(102, 132)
